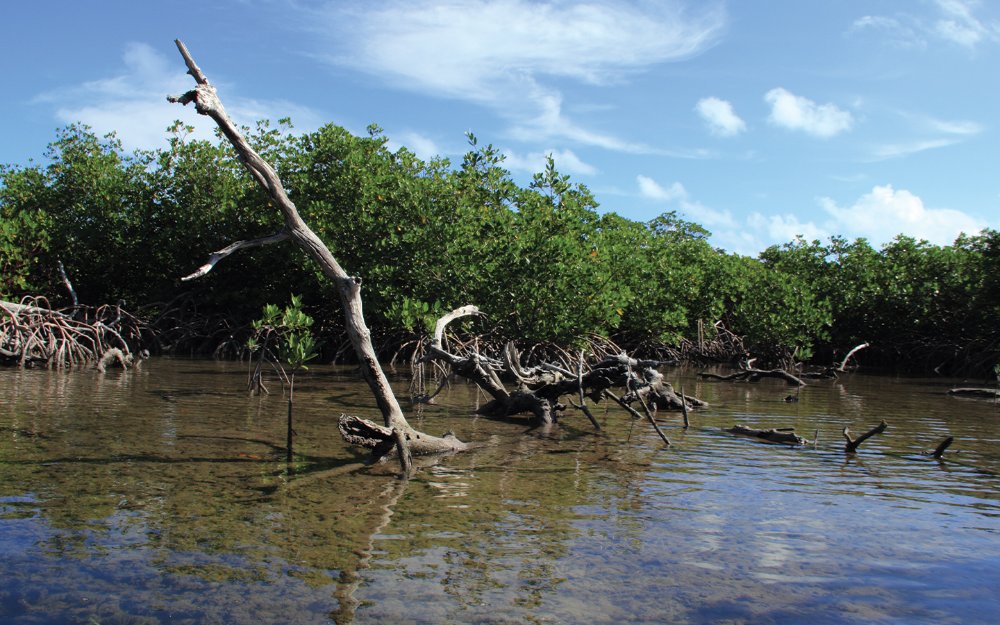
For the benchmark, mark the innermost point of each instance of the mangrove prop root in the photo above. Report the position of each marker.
(33, 334)
(853, 443)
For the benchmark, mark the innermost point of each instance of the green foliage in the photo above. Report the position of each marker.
(24, 232)
(290, 329)
(542, 260)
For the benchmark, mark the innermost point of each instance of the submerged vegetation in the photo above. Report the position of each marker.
(541, 261)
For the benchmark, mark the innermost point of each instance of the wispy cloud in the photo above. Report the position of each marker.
(959, 24)
(901, 33)
(952, 127)
(955, 21)
(133, 102)
(802, 114)
(933, 134)
(508, 55)
(720, 117)
(899, 150)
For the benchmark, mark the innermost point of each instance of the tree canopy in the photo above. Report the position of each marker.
(543, 261)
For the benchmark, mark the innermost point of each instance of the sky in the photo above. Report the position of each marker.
(761, 121)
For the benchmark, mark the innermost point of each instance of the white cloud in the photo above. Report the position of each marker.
(878, 216)
(720, 117)
(566, 161)
(784, 228)
(885, 212)
(424, 147)
(693, 210)
(134, 102)
(798, 113)
(505, 54)
(651, 189)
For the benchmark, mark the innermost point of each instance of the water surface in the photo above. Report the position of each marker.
(161, 495)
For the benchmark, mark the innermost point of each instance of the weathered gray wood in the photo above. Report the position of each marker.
(207, 102)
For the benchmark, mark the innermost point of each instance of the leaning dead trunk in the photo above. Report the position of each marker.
(207, 102)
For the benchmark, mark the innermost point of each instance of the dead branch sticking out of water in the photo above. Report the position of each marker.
(853, 443)
(856, 349)
(32, 334)
(938, 451)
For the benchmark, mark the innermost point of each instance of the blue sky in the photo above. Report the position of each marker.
(758, 120)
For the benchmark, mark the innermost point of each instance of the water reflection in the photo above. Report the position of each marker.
(160, 495)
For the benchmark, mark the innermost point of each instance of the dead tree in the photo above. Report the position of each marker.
(541, 388)
(396, 431)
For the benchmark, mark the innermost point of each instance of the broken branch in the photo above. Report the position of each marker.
(853, 443)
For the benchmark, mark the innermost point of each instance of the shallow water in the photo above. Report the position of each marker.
(161, 495)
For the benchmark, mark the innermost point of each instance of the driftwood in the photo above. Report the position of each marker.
(207, 102)
(853, 443)
(753, 375)
(985, 393)
(784, 436)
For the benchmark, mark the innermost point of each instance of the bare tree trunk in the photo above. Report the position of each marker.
(207, 102)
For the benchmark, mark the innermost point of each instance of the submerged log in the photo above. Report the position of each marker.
(752, 375)
(985, 393)
(784, 436)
